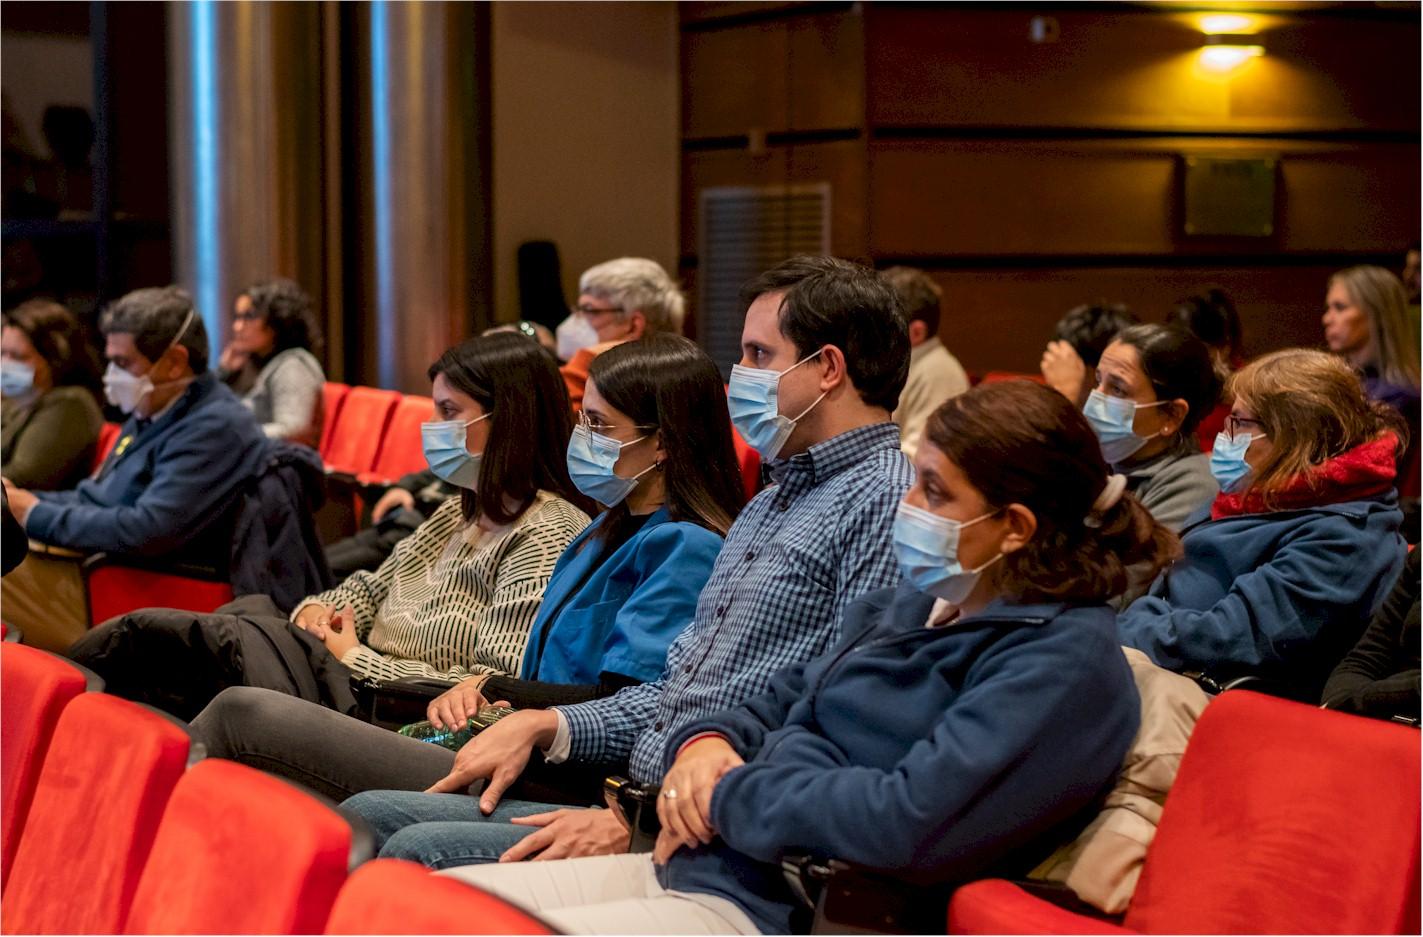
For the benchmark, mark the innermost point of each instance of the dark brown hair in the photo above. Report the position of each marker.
(513, 379)
(58, 339)
(665, 381)
(1019, 442)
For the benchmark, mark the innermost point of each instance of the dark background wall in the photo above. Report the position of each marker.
(1033, 176)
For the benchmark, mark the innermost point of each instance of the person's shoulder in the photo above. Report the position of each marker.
(72, 399)
(551, 509)
(884, 469)
(295, 359)
(671, 534)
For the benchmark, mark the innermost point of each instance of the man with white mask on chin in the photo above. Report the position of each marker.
(168, 487)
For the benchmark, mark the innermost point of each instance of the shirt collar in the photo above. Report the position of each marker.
(828, 458)
(924, 347)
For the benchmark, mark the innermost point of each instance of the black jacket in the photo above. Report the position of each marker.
(275, 548)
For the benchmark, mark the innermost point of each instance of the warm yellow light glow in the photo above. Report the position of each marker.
(1225, 23)
(1225, 58)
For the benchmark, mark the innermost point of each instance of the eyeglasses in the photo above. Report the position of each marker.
(1233, 424)
(598, 426)
(592, 310)
(248, 316)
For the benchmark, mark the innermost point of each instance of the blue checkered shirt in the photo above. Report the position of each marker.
(801, 551)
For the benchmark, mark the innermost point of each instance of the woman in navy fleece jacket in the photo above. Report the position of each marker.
(965, 718)
(1301, 545)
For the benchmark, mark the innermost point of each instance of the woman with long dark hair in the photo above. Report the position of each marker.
(271, 360)
(455, 599)
(654, 447)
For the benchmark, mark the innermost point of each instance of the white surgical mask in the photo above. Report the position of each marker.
(126, 391)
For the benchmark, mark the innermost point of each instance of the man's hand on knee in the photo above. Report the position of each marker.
(568, 834)
(499, 753)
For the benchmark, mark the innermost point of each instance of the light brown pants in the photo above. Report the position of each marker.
(44, 598)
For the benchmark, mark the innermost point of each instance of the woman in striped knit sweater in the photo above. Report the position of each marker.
(455, 600)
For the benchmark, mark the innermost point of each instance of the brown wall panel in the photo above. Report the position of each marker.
(709, 168)
(841, 164)
(827, 71)
(1002, 319)
(983, 197)
(1136, 70)
(734, 80)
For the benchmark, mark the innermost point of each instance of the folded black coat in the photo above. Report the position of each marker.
(275, 548)
(178, 661)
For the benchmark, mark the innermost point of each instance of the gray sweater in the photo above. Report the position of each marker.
(286, 397)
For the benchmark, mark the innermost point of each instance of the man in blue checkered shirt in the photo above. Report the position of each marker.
(824, 356)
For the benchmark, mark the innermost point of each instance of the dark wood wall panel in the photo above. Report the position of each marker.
(734, 80)
(1096, 197)
(826, 78)
(1002, 319)
(1134, 70)
(705, 169)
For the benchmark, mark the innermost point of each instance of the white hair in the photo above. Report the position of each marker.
(636, 284)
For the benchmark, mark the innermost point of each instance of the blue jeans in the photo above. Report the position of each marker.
(442, 830)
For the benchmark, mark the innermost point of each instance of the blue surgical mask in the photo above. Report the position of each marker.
(443, 442)
(591, 457)
(927, 547)
(16, 378)
(1228, 463)
(1113, 419)
(751, 397)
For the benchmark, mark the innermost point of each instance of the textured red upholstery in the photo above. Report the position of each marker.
(115, 589)
(994, 906)
(358, 428)
(333, 395)
(1284, 819)
(106, 779)
(240, 852)
(34, 687)
(401, 451)
(391, 896)
(750, 463)
(993, 377)
(108, 436)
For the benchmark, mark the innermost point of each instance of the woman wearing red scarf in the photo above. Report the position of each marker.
(1302, 543)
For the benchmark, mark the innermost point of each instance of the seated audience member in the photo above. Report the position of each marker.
(966, 721)
(621, 300)
(1154, 384)
(655, 449)
(1379, 677)
(824, 356)
(397, 514)
(170, 485)
(1211, 317)
(1366, 322)
(534, 330)
(1082, 335)
(935, 375)
(49, 419)
(1302, 542)
(455, 599)
(271, 360)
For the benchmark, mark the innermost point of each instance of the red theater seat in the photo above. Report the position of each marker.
(1284, 819)
(115, 586)
(106, 779)
(108, 436)
(35, 686)
(391, 896)
(241, 852)
(358, 428)
(333, 395)
(401, 451)
(993, 377)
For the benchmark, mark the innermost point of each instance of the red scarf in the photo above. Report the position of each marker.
(1365, 471)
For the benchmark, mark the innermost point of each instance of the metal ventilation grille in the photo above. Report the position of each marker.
(744, 231)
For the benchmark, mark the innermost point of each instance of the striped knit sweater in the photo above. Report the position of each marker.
(455, 601)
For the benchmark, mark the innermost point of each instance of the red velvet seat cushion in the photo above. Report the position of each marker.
(391, 896)
(106, 779)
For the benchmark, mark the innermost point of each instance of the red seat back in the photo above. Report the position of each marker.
(401, 451)
(333, 395)
(35, 686)
(1286, 819)
(391, 896)
(241, 852)
(116, 589)
(108, 436)
(993, 377)
(106, 779)
(357, 430)
(750, 462)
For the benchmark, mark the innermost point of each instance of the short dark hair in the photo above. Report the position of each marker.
(834, 302)
(1019, 442)
(153, 317)
(667, 381)
(513, 378)
(1211, 317)
(919, 295)
(1179, 366)
(58, 339)
(286, 309)
(1090, 328)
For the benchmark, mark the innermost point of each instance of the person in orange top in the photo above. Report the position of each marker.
(621, 300)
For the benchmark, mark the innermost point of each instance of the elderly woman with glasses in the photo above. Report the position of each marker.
(618, 301)
(1302, 543)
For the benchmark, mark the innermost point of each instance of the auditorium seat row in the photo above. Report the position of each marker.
(1282, 819)
(115, 823)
